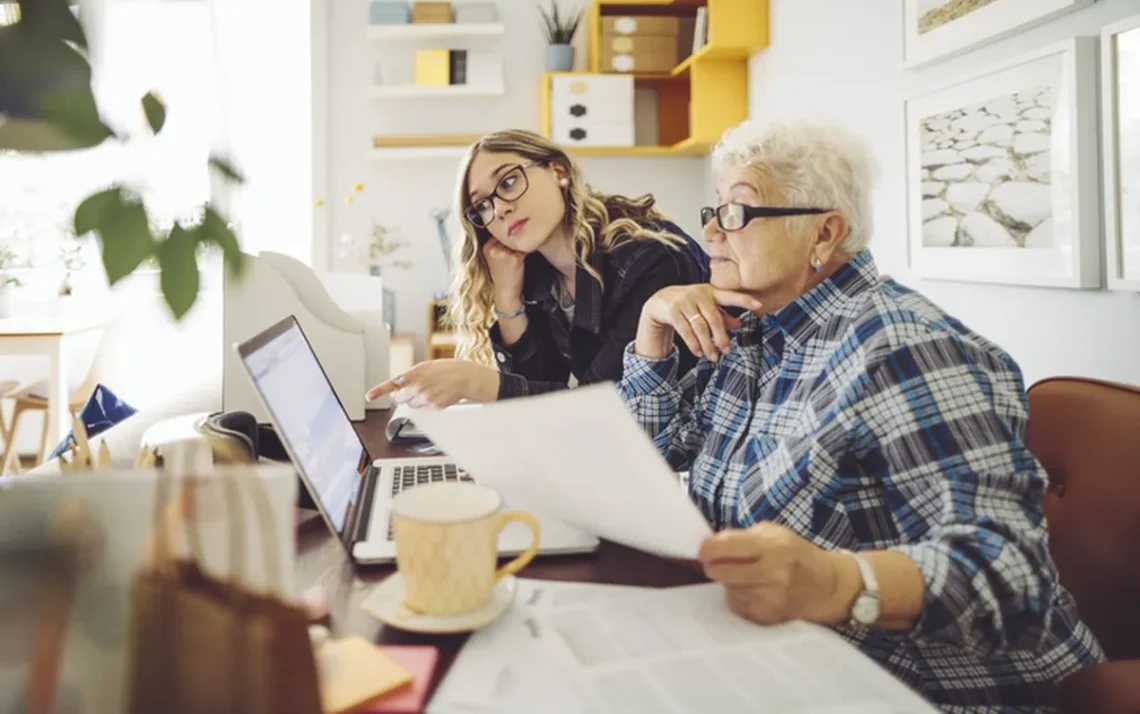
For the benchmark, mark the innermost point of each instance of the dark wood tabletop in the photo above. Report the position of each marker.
(321, 560)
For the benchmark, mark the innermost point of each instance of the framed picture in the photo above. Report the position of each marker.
(1120, 114)
(1003, 173)
(939, 29)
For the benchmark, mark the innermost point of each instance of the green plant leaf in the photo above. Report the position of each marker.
(91, 214)
(226, 169)
(125, 237)
(179, 266)
(214, 230)
(75, 113)
(155, 111)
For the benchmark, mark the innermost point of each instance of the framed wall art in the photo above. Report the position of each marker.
(1120, 114)
(1003, 173)
(939, 29)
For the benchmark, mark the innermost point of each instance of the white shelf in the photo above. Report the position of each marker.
(455, 90)
(417, 32)
(418, 152)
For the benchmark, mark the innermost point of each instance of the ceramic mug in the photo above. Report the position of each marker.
(447, 545)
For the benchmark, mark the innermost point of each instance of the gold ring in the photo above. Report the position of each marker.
(694, 318)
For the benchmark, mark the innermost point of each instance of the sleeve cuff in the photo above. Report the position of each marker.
(644, 376)
(512, 385)
(525, 348)
(946, 598)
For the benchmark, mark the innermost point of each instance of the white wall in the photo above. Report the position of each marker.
(401, 193)
(848, 69)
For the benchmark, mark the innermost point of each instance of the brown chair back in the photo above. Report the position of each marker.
(1086, 434)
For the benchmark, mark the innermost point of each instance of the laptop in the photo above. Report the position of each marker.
(352, 491)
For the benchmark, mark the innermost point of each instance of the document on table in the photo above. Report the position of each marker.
(674, 651)
(576, 456)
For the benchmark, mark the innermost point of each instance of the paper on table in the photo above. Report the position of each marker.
(576, 456)
(671, 651)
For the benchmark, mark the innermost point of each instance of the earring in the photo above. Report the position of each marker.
(817, 264)
(563, 182)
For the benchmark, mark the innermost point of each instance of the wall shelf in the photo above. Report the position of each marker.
(443, 91)
(411, 146)
(424, 32)
(705, 94)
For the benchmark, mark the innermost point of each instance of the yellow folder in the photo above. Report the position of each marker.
(433, 68)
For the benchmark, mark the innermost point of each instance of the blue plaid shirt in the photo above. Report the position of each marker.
(863, 417)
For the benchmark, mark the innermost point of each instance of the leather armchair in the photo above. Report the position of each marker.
(1086, 434)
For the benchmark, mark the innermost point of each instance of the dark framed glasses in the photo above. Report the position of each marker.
(511, 187)
(734, 216)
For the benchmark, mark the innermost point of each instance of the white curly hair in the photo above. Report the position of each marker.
(812, 164)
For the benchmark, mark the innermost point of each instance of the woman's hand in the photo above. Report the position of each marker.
(772, 575)
(507, 272)
(440, 383)
(695, 313)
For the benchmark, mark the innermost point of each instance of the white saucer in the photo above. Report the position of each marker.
(384, 603)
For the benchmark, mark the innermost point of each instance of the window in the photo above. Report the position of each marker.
(143, 45)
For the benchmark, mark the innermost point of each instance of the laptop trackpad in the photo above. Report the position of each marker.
(516, 537)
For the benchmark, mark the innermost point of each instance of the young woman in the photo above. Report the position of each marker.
(551, 280)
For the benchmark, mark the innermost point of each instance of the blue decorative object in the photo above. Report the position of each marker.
(101, 412)
(381, 12)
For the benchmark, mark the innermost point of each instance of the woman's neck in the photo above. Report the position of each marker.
(559, 252)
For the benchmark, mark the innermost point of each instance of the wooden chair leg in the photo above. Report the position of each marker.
(11, 460)
(43, 440)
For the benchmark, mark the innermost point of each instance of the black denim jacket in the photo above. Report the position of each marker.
(605, 319)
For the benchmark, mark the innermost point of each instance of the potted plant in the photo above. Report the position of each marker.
(7, 281)
(560, 26)
(47, 104)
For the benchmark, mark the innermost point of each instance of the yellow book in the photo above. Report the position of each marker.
(353, 671)
(433, 68)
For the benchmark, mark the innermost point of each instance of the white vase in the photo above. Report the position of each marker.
(5, 298)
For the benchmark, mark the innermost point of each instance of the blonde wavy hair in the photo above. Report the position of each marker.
(596, 220)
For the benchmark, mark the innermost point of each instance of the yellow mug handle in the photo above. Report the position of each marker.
(523, 559)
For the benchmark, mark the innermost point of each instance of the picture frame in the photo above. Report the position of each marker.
(939, 29)
(1120, 129)
(1003, 173)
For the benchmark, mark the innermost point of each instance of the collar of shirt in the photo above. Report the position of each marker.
(797, 321)
(538, 289)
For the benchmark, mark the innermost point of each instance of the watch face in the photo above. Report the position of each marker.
(866, 610)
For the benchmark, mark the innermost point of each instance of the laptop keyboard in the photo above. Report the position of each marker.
(410, 475)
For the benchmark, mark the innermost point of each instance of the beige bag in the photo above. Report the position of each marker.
(201, 644)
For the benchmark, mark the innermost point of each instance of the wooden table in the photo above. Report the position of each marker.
(321, 560)
(47, 334)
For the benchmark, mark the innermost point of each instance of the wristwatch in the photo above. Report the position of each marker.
(865, 612)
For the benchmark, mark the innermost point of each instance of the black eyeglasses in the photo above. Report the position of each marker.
(511, 187)
(734, 216)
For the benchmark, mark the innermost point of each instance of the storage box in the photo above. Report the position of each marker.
(385, 12)
(643, 25)
(629, 53)
(475, 13)
(432, 13)
(591, 110)
(639, 43)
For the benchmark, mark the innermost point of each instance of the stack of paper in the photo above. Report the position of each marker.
(571, 648)
(576, 456)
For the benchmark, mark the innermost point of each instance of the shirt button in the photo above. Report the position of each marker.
(502, 357)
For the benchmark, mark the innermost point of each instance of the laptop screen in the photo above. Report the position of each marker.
(311, 421)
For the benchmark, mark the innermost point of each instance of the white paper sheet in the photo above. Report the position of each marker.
(579, 457)
(671, 651)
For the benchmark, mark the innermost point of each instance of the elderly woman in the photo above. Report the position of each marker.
(860, 452)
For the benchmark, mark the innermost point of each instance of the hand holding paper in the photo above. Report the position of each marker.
(579, 457)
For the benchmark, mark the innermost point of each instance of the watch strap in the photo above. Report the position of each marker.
(868, 600)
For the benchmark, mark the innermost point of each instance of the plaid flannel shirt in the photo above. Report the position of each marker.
(863, 417)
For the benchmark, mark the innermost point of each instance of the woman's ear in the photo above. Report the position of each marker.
(561, 174)
(833, 229)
